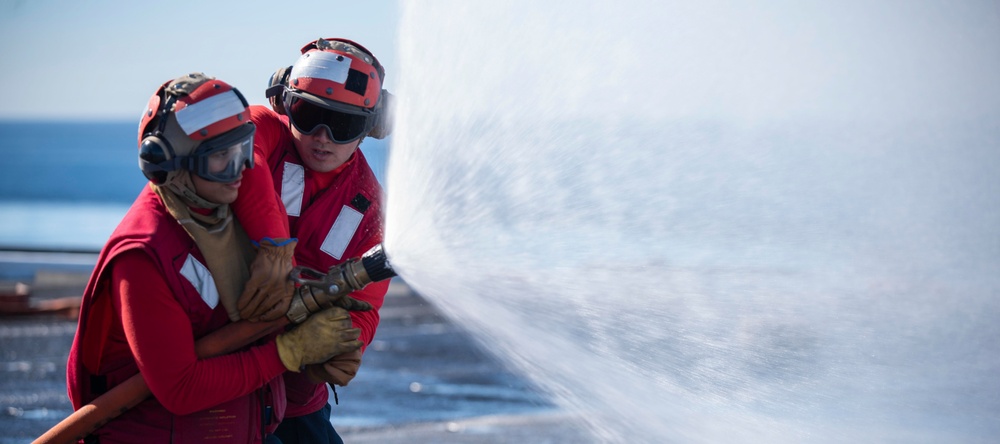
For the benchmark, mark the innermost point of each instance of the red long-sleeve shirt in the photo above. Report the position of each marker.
(323, 197)
(158, 333)
(262, 214)
(147, 301)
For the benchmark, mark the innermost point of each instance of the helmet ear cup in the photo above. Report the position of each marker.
(276, 88)
(153, 159)
(157, 159)
(383, 124)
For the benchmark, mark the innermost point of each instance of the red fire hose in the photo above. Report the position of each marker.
(130, 393)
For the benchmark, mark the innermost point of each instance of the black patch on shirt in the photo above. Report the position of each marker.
(361, 203)
(357, 82)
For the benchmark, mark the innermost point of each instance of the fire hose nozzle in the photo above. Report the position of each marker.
(318, 291)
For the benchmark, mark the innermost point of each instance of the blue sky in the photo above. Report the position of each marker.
(102, 59)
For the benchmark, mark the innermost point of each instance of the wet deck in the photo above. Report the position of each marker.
(423, 379)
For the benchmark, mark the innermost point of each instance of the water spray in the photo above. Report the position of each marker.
(689, 222)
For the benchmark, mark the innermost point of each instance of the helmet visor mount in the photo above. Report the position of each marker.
(342, 123)
(222, 158)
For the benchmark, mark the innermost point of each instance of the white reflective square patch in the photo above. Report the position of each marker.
(293, 185)
(341, 232)
(199, 276)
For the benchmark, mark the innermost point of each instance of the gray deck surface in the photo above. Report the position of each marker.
(422, 380)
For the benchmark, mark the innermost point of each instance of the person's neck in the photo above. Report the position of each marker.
(325, 179)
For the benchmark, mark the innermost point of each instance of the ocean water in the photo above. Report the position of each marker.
(68, 184)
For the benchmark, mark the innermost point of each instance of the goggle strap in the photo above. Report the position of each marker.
(165, 166)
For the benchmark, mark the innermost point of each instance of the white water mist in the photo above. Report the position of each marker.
(713, 222)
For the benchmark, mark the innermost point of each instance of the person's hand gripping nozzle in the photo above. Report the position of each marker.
(318, 290)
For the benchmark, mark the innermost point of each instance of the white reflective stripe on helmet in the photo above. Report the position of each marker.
(322, 65)
(206, 112)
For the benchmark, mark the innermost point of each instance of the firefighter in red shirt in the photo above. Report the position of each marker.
(172, 271)
(324, 106)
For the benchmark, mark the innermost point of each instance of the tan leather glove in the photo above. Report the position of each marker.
(269, 290)
(322, 336)
(339, 370)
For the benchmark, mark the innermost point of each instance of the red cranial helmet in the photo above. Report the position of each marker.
(198, 124)
(335, 85)
(338, 70)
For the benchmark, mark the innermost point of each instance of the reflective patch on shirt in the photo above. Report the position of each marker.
(341, 232)
(293, 185)
(199, 276)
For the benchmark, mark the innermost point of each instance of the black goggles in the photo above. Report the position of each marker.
(341, 125)
(222, 158)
